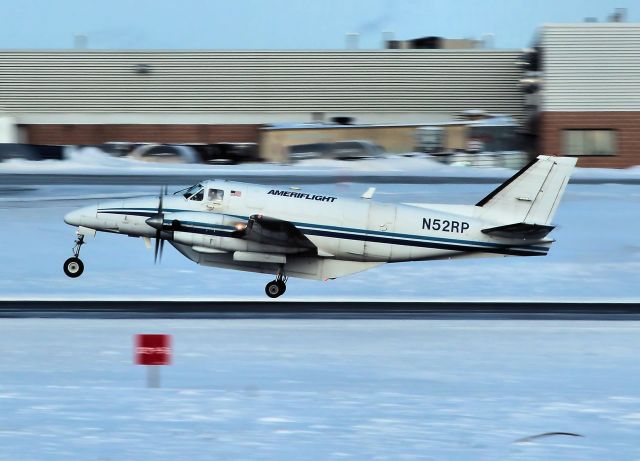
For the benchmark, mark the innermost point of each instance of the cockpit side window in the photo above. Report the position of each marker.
(198, 196)
(192, 190)
(195, 193)
(215, 195)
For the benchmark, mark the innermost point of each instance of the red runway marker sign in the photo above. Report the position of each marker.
(153, 350)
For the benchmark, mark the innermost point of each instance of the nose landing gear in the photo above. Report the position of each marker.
(278, 286)
(73, 267)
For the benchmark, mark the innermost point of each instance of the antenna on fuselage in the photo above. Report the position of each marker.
(369, 193)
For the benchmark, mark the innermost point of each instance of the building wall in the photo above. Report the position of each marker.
(274, 143)
(591, 67)
(626, 125)
(98, 134)
(40, 85)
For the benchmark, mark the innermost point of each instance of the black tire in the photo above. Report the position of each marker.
(273, 289)
(283, 287)
(73, 267)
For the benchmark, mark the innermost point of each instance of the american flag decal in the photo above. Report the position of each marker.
(236, 193)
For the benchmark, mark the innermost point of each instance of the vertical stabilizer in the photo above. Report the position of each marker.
(532, 195)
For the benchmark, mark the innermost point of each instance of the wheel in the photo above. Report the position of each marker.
(274, 289)
(283, 287)
(73, 267)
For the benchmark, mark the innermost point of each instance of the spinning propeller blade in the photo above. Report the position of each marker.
(157, 248)
(157, 254)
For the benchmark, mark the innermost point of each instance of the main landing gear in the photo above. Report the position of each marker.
(278, 286)
(73, 267)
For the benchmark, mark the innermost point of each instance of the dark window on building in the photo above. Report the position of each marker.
(589, 142)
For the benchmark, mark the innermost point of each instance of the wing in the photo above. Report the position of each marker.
(306, 267)
(272, 231)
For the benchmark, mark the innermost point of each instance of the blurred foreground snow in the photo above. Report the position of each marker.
(454, 390)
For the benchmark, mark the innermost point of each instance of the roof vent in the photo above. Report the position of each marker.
(619, 15)
(80, 42)
(352, 40)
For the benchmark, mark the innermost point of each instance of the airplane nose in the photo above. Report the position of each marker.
(80, 216)
(73, 218)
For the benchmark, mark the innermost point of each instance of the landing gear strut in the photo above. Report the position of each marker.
(73, 267)
(278, 286)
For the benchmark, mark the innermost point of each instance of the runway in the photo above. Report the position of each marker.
(317, 309)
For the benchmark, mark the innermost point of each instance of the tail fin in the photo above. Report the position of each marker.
(532, 195)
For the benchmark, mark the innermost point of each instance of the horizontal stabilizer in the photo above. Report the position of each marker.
(520, 230)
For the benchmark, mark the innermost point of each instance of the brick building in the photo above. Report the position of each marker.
(589, 104)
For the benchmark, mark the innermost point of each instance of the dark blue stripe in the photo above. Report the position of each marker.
(437, 246)
(130, 213)
(393, 241)
(307, 227)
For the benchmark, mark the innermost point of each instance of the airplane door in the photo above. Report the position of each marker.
(382, 220)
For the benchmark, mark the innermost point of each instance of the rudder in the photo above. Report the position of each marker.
(532, 195)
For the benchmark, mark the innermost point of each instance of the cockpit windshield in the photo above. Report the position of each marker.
(194, 192)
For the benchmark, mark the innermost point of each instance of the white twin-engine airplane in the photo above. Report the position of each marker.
(290, 233)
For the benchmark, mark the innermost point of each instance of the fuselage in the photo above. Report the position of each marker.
(341, 228)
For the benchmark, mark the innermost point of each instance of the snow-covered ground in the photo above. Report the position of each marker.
(322, 389)
(596, 256)
(455, 390)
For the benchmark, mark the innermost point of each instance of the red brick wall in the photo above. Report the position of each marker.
(627, 125)
(98, 134)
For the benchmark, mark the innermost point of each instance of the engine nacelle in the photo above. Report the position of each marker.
(213, 230)
(193, 228)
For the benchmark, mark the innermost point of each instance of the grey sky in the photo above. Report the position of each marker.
(283, 24)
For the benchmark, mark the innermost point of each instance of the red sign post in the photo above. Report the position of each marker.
(152, 351)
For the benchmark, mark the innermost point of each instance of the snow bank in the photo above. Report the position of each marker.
(92, 161)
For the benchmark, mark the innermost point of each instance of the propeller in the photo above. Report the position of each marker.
(157, 221)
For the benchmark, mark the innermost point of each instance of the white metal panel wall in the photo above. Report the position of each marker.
(356, 81)
(591, 67)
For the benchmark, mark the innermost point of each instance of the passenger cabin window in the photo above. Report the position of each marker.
(215, 195)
